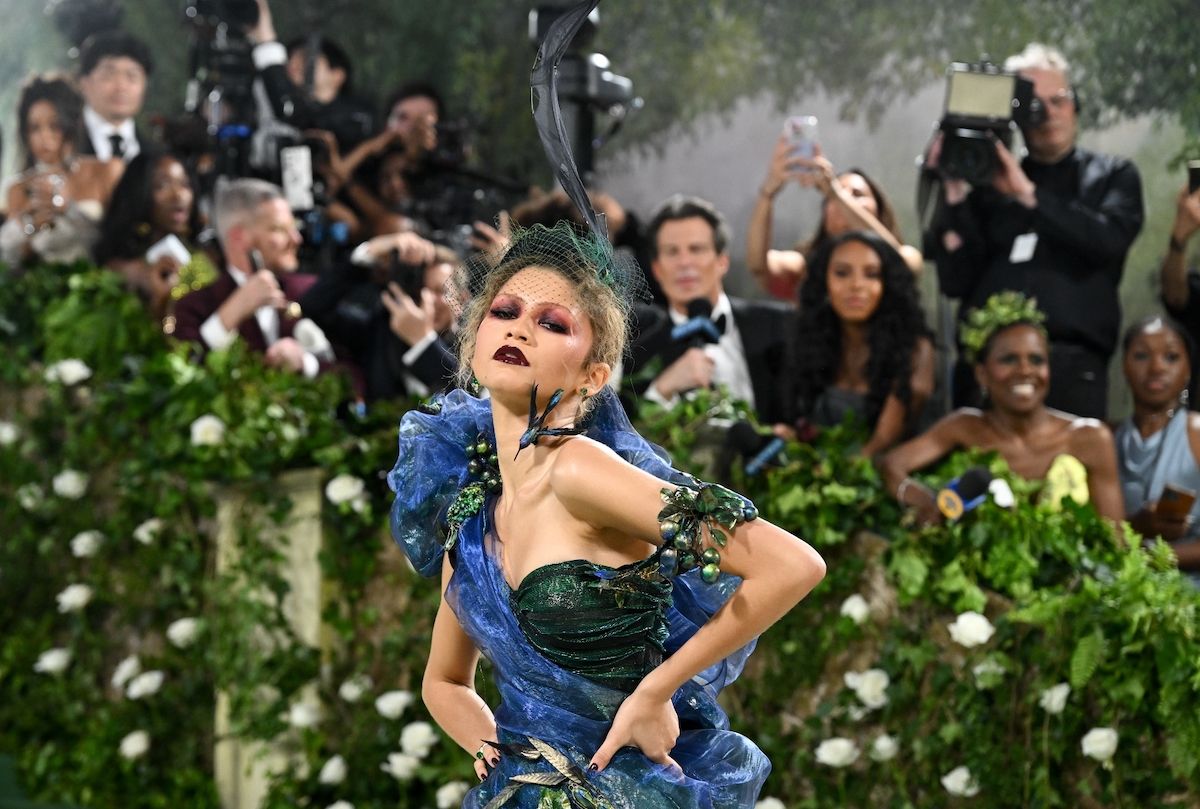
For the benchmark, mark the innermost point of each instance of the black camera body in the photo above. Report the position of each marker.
(237, 14)
(984, 104)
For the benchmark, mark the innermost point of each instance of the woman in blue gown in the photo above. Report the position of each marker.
(613, 596)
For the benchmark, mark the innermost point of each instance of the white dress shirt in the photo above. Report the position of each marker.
(218, 338)
(728, 355)
(100, 130)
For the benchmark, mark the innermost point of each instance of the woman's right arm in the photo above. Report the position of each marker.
(763, 262)
(918, 453)
(448, 688)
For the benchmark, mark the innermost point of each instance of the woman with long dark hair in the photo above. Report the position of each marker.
(853, 201)
(861, 343)
(55, 204)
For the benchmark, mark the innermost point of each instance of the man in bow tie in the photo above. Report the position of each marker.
(114, 68)
(743, 347)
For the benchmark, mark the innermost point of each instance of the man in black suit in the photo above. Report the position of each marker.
(114, 68)
(689, 240)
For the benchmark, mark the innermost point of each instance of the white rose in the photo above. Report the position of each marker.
(451, 795)
(353, 689)
(1099, 743)
(74, 598)
(334, 771)
(135, 744)
(960, 782)
(275, 411)
(837, 752)
(182, 633)
(869, 686)
(70, 484)
(1002, 493)
(68, 372)
(855, 608)
(145, 684)
(85, 544)
(400, 766)
(344, 488)
(418, 738)
(8, 433)
(53, 661)
(208, 431)
(340, 805)
(30, 496)
(126, 670)
(148, 531)
(303, 715)
(769, 803)
(970, 629)
(987, 674)
(290, 433)
(393, 703)
(1054, 698)
(884, 748)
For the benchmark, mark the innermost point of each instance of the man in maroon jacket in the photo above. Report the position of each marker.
(253, 298)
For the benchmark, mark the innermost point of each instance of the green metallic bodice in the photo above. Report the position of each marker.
(607, 624)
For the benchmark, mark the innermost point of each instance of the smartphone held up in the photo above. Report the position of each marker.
(801, 133)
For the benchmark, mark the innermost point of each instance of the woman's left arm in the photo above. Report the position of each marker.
(777, 570)
(1094, 446)
(895, 418)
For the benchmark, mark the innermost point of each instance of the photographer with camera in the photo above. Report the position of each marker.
(1056, 226)
(310, 90)
(387, 313)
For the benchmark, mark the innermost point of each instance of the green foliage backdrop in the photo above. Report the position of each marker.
(999, 644)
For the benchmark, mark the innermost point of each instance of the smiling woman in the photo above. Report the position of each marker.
(1009, 349)
(583, 566)
(861, 343)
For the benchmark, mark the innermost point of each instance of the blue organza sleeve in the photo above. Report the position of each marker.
(430, 469)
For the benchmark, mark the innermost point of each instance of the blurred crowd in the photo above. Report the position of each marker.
(352, 271)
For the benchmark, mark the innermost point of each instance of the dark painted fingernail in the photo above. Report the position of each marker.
(593, 767)
(494, 761)
(481, 777)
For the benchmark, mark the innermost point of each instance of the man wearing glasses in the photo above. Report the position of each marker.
(1057, 226)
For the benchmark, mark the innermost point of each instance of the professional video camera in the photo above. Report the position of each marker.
(984, 104)
(586, 86)
(222, 74)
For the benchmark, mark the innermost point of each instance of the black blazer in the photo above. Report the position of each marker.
(348, 310)
(765, 328)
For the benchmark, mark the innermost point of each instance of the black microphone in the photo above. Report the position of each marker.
(698, 330)
(964, 493)
(759, 449)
